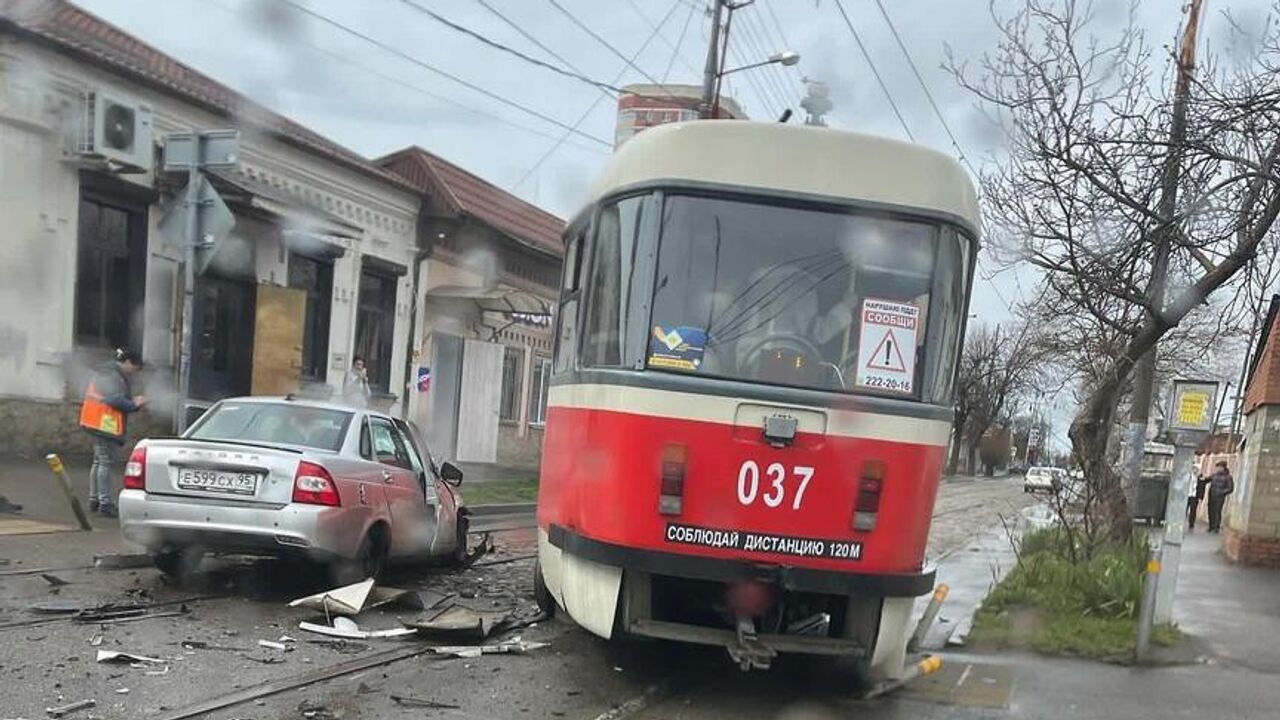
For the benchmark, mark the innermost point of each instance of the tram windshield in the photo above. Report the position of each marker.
(797, 296)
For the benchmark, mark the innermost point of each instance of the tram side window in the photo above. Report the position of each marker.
(612, 265)
(567, 316)
(952, 281)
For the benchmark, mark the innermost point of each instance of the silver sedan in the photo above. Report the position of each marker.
(354, 489)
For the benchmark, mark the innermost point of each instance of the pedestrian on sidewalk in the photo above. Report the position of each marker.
(108, 402)
(1193, 500)
(1221, 484)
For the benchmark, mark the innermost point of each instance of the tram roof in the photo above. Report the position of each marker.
(808, 160)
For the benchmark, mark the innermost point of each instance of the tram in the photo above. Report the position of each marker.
(751, 397)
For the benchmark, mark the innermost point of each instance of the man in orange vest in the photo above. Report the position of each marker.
(104, 415)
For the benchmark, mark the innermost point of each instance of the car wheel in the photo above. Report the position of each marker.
(459, 555)
(541, 594)
(178, 563)
(369, 562)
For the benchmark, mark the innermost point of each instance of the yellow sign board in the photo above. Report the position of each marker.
(1193, 408)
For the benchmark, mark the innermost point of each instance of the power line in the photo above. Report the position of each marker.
(410, 86)
(885, 88)
(506, 49)
(663, 38)
(524, 33)
(574, 18)
(767, 101)
(924, 86)
(781, 33)
(591, 108)
(771, 73)
(427, 66)
(676, 51)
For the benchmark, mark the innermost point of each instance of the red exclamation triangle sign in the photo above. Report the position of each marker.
(886, 356)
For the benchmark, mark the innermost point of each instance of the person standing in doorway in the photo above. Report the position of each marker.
(1194, 498)
(108, 402)
(1221, 484)
(355, 386)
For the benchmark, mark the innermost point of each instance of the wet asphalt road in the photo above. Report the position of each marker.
(577, 676)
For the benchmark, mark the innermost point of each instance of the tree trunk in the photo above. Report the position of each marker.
(1089, 434)
(957, 440)
(971, 464)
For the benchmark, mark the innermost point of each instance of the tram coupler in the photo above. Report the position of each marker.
(748, 652)
(927, 665)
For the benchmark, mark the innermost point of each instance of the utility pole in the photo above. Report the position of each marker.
(711, 73)
(1145, 372)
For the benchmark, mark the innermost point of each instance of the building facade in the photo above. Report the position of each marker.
(490, 280)
(1252, 519)
(642, 106)
(319, 265)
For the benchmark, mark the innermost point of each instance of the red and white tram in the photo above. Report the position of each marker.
(756, 348)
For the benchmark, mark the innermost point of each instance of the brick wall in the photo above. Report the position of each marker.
(1251, 549)
(33, 428)
(1264, 386)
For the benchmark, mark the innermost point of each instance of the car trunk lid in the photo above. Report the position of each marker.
(222, 471)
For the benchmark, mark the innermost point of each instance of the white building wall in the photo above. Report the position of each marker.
(39, 200)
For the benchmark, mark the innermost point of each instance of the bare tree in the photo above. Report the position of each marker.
(1084, 190)
(997, 365)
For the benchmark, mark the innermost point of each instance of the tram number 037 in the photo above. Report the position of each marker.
(778, 483)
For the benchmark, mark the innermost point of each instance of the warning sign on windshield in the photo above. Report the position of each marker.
(887, 346)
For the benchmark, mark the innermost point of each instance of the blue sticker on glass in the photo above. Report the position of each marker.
(677, 348)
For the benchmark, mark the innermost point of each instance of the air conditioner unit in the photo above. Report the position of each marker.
(114, 131)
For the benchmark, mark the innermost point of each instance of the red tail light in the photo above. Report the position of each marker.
(867, 504)
(135, 471)
(313, 485)
(671, 495)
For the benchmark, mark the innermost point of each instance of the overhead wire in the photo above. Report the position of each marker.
(925, 87)
(676, 51)
(346, 60)
(629, 63)
(770, 73)
(427, 66)
(569, 73)
(685, 61)
(766, 99)
(867, 56)
(528, 36)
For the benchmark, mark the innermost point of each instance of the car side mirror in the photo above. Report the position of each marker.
(451, 474)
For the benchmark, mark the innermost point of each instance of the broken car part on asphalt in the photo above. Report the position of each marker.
(61, 710)
(357, 597)
(109, 656)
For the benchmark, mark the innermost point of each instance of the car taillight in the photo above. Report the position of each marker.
(867, 504)
(135, 471)
(313, 485)
(671, 494)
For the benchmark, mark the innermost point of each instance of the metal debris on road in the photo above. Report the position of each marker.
(54, 580)
(516, 646)
(350, 631)
(352, 599)
(61, 710)
(462, 621)
(95, 640)
(56, 607)
(274, 645)
(315, 711)
(408, 701)
(122, 691)
(154, 673)
(108, 656)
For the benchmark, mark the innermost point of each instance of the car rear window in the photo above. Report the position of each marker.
(274, 423)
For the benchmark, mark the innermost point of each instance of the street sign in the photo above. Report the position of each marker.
(215, 222)
(209, 150)
(887, 346)
(1192, 405)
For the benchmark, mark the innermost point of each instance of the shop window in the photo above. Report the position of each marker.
(512, 372)
(110, 273)
(314, 277)
(375, 325)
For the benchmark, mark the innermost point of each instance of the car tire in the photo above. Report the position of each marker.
(178, 563)
(459, 556)
(541, 593)
(369, 562)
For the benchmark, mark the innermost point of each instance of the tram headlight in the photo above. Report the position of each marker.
(671, 492)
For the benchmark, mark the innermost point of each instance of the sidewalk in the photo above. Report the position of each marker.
(1233, 609)
(32, 485)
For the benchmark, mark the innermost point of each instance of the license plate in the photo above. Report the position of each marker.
(221, 481)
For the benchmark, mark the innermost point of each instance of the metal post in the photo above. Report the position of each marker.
(1175, 523)
(712, 70)
(1146, 611)
(930, 615)
(190, 241)
(64, 482)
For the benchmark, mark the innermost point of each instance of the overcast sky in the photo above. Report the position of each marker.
(375, 102)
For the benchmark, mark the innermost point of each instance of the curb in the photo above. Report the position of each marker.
(502, 508)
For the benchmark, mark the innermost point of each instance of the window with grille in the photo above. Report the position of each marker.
(512, 365)
(538, 390)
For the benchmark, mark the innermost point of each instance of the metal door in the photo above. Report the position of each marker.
(277, 340)
(442, 422)
(478, 406)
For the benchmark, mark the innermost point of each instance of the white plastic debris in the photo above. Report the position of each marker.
(106, 656)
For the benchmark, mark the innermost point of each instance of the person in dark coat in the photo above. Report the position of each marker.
(108, 402)
(1193, 500)
(1221, 484)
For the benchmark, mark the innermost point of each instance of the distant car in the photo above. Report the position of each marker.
(1042, 479)
(353, 489)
